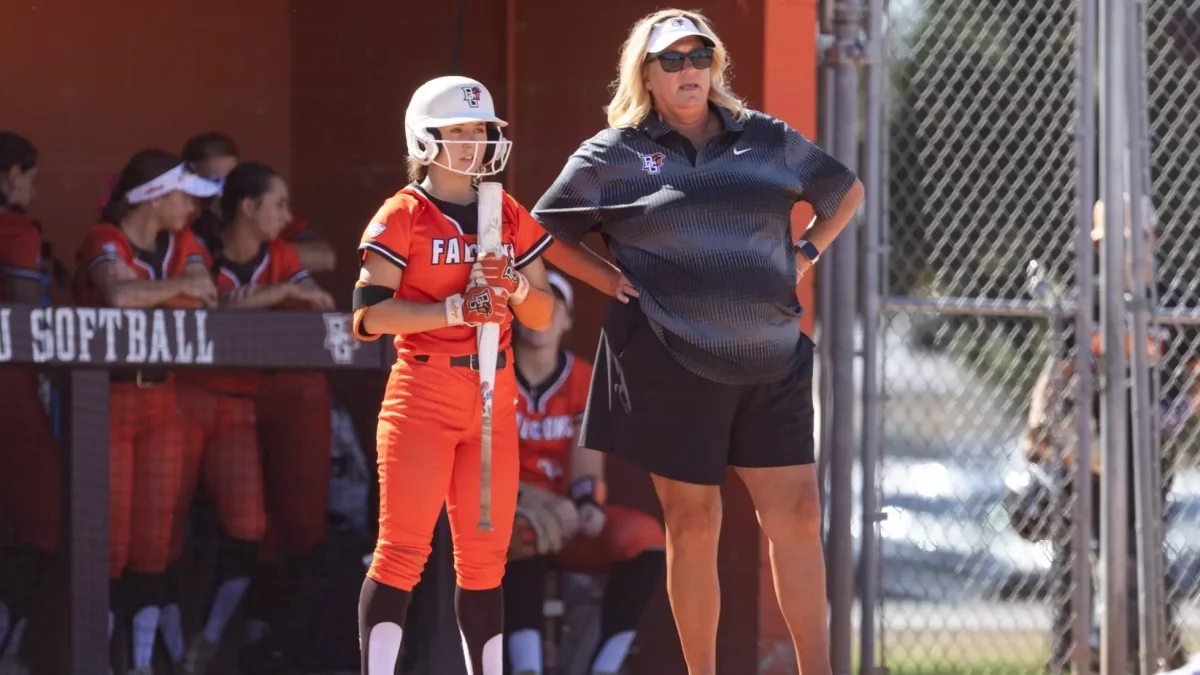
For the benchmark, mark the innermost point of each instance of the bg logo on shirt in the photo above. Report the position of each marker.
(653, 162)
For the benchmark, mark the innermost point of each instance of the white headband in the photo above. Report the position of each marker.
(559, 283)
(178, 178)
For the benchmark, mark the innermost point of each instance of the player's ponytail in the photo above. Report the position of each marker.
(16, 151)
(249, 180)
(416, 170)
(142, 168)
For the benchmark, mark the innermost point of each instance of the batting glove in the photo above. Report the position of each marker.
(562, 509)
(476, 306)
(499, 272)
(535, 507)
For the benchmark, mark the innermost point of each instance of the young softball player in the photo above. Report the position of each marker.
(29, 457)
(142, 254)
(253, 269)
(422, 281)
(562, 505)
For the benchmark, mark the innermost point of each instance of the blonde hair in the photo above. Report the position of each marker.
(631, 100)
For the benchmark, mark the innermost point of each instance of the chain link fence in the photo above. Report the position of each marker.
(982, 216)
(992, 250)
(1172, 82)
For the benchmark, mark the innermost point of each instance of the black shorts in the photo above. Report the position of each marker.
(647, 408)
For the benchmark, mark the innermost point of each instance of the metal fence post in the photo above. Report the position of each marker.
(1082, 509)
(1147, 452)
(872, 262)
(1114, 526)
(85, 524)
(827, 121)
(844, 260)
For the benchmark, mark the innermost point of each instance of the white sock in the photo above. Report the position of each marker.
(170, 624)
(256, 630)
(145, 627)
(493, 655)
(613, 653)
(525, 651)
(383, 648)
(224, 605)
(14, 640)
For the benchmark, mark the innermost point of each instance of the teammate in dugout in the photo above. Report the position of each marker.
(253, 269)
(422, 281)
(29, 455)
(293, 410)
(562, 517)
(142, 254)
(693, 195)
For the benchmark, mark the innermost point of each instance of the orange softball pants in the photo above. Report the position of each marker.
(145, 476)
(30, 476)
(221, 446)
(627, 534)
(294, 433)
(428, 442)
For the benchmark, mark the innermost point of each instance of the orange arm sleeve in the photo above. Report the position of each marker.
(537, 309)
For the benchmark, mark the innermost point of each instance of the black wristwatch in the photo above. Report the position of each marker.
(809, 250)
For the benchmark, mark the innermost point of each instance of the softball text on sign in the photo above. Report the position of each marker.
(109, 335)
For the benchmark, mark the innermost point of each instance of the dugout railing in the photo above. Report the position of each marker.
(77, 347)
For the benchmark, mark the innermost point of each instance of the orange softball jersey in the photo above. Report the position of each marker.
(436, 254)
(20, 247)
(277, 262)
(548, 421)
(173, 252)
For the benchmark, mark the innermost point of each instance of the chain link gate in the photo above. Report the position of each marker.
(981, 222)
(985, 120)
(1172, 83)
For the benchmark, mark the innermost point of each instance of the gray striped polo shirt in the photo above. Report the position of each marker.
(705, 235)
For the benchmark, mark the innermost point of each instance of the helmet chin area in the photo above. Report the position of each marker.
(495, 156)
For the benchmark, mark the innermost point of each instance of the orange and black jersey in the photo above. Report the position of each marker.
(435, 243)
(277, 262)
(548, 418)
(172, 253)
(20, 248)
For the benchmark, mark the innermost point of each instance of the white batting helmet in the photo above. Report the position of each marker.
(446, 101)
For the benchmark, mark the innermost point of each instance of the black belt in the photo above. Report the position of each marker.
(142, 377)
(471, 361)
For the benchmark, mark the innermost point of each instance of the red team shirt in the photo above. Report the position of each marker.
(277, 262)
(436, 256)
(174, 251)
(548, 422)
(20, 248)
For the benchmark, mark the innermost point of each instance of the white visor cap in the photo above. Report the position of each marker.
(178, 178)
(665, 34)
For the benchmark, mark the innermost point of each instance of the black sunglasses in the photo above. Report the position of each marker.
(672, 62)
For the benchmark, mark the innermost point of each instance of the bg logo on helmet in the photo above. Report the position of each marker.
(472, 95)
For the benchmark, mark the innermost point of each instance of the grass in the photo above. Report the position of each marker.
(959, 652)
